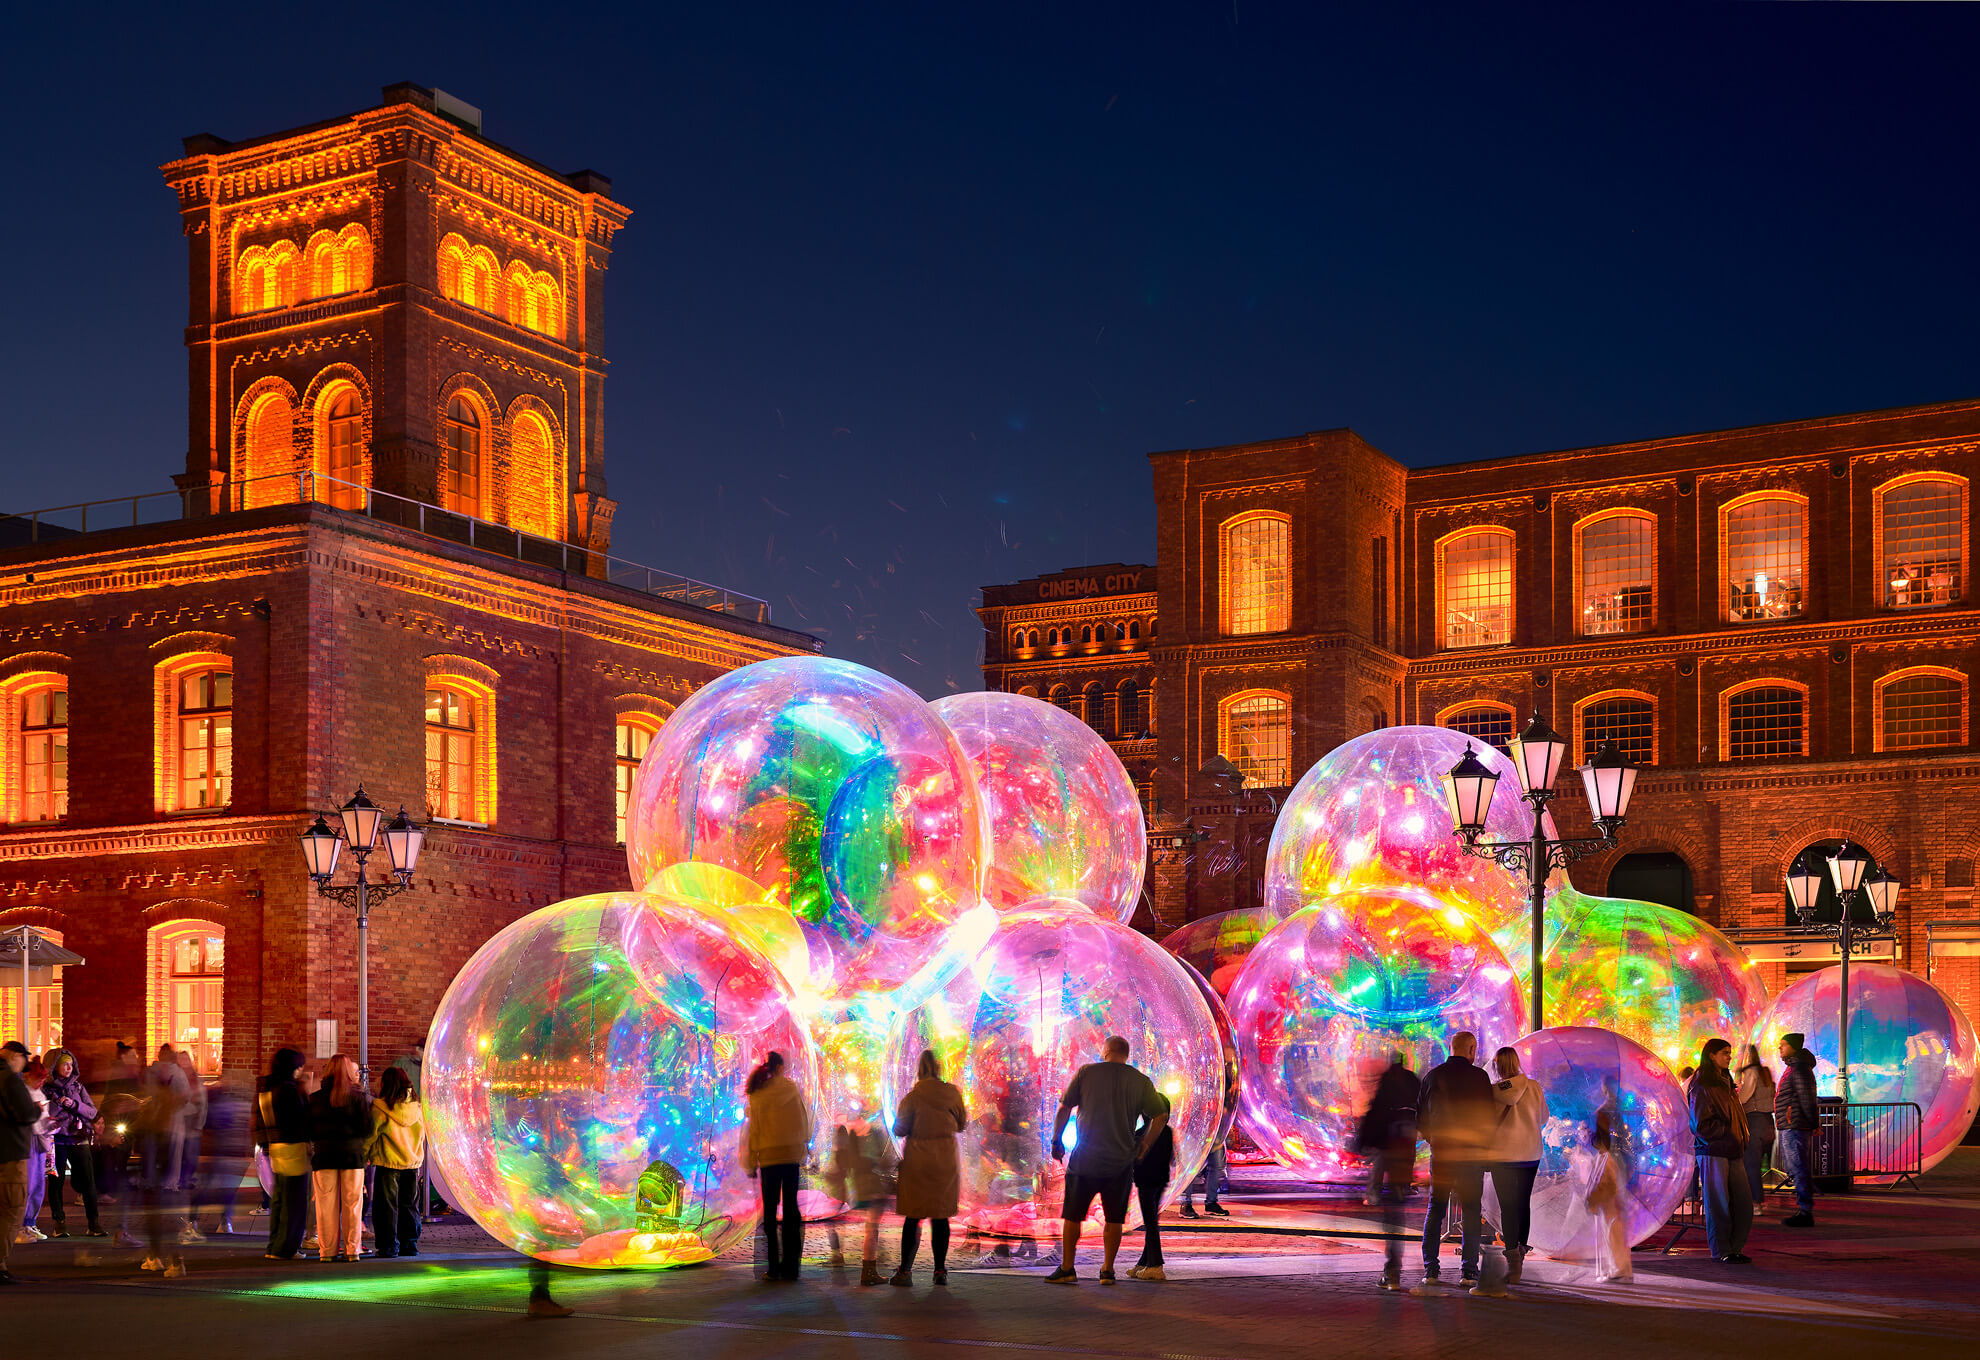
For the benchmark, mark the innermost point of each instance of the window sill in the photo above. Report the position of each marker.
(456, 822)
(219, 811)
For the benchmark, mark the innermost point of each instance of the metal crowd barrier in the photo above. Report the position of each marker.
(1885, 1138)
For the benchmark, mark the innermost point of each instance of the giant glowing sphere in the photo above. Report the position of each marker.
(1908, 1042)
(1217, 946)
(1033, 1006)
(583, 1083)
(834, 789)
(1227, 1046)
(1334, 990)
(1372, 813)
(1064, 818)
(1583, 1071)
(1661, 977)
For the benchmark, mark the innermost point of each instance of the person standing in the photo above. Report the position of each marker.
(73, 1116)
(1754, 1085)
(1797, 1114)
(1718, 1141)
(1112, 1098)
(280, 1124)
(398, 1150)
(1217, 1164)
(41, 1154)
(1515, 1157)
(339, 1127)
(18, 1113)
(776, 1139)
(1151, 1179)
(929, 1120)
(413, 1063)
(1455, 1112)
(1387, 1136)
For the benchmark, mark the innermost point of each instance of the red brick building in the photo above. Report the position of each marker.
(1775, 622)
(387, 562)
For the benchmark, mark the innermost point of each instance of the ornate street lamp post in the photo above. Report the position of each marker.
(1846, 871)
(1537, 754)
(361, 829)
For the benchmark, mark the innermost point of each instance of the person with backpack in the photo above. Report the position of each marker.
(280, 1124)
(72, 1114)
(1387, 1137)
(398, 1151)
(1797, 1114)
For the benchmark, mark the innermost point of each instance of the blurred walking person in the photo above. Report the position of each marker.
(164, 1093)
(1797, 1114)
(281, 1125)
(862, 1173)
(929, 1120)
(225, 1155)
(1387, 1137)
(1755, 1086)
(18, 1113)
(1113, 1099)
(1515, 1157)
(339, 1128)
(1718, 1141)
(1604, 1201)
(398, 1151)
(776, 1140)
(1455, 1112)
(72, 1115)
(192, 1146)
(1151, 1179)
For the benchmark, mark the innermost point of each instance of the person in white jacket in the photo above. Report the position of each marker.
(1514, 1159)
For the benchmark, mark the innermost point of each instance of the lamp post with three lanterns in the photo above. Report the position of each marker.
(1537, 754)
(363, 826)
(1847, 870)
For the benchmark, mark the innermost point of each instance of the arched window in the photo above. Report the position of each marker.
(206, 739)
(1134, 629)
(188, 989)
(1255, 574)
(634, 733)
(1628, 720)
(251, 280)
(1920, 708)
(518, 304)
(1617, 560)
(548, 305)
(343, 448)
(1491, 724)
(1921, 533)
(482, 281)
(353, 259)
(1120, 632)
(1062, 697)
(1254, 733)
(1767, 720)
(268, 473)
(1475, 588)
(536, 480)
(452, 754)
(283, 282)
(460, 465)
(1132, 721)
(1766, 538)
(44, 774)
(1094, 703)
(452, 259)
(1032, 638)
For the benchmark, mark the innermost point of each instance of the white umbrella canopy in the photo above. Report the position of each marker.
(42, 951)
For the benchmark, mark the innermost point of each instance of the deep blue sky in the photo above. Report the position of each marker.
(909, 292)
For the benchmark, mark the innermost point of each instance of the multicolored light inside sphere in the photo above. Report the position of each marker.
(835, 790)
(1217, 946)
(583, 1081)
(1908, 1042)
(1653, 974)
(1582, 1071)
(1064, 817)
(1035, 1004)
(1334, 990)
(1372, 813)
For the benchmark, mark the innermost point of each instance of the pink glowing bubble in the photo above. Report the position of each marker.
(1908, 1042)
(1217, 946)
(1064, 817)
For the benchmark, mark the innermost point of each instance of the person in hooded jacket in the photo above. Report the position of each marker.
(1718, 1141)
(281, 1124)
(929, 1121)
(1797, 1114)
(72, 1115)
(398, 1150)
(776, 1140)
(1515, 1156)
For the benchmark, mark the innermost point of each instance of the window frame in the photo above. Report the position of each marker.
(1879, 689)
(1878, 548)
(1723, 585)
(35, 677)
(1580, 552)
(1227, 707)
(1440, 567)
(1726, 696)
(635, 720)
(1451, 711)
(449, 496)
(163, 980)
(1581, 707)
(1279, 611)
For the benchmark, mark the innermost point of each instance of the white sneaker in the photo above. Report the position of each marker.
(153, 1263)
(1148, 1273)
(177, 1270)
(191, 1236)
(26, 1235)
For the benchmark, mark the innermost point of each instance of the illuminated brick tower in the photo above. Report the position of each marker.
(389, 300)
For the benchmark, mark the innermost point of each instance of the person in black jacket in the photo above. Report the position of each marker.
(339, 1128)
(1455, 1113)
(1151, 1178)
(1388, 1137)
(1797, 1114)
(1718, 1140)
(18, 1116)
(280, 1124)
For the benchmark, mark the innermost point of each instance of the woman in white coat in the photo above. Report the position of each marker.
(1515, 1156)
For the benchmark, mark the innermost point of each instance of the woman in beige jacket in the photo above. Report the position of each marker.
(776, 1140)
(930, 1118)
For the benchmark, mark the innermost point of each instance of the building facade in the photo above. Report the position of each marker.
(1775, 622)
(387, 564)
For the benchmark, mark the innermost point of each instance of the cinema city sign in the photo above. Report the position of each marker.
(1069, 587)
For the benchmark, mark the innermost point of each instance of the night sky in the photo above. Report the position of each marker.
(908, 292)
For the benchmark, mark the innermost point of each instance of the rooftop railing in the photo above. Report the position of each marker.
(165, 507)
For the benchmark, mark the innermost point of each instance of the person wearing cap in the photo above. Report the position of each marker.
(18, 1115)
(1796, 1117)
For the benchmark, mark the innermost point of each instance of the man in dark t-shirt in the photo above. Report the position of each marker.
(1112, 1099)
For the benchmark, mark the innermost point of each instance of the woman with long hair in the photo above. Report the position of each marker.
(339, 1128)
(930, 1119)
(398, 1150)
(1754, 1081)
(776, 1139)
(281, 1124)
(72, 1116)
(1514, 1159)
(1718, 1140)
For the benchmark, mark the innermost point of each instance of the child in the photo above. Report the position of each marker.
(1605, 1202)
(862, 1174)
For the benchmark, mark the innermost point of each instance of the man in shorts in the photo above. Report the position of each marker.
(1112, 1099)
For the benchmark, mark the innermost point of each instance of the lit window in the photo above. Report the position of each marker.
(1257, 738)
(633, 736)
(1492, 726)
(189, 964)
(1766, 723)
(1764, 559)
(1923, 529)
(460, 471)
(450, 755)
(343, 430)
(206, 739)
(1923, 709)
(44, 781)
(1629, 723)
(1474, 583)
(452, 261)
(1257, 574)
(1618, 574)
